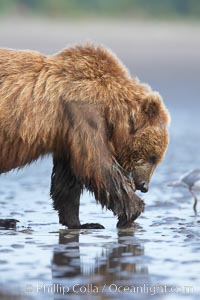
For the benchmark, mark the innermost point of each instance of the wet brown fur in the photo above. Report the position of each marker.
(81, 105)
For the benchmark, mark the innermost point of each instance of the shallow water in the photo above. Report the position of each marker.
(158, 257)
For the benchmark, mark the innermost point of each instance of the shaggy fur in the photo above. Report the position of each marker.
(107, 131)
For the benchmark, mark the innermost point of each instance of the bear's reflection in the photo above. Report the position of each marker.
(86, 257)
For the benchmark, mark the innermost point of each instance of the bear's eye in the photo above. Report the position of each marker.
(153, 159)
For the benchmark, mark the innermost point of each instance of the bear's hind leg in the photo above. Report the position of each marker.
(65, 192)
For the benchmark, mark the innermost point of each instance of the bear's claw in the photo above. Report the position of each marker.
(126, 221)
(92, 226)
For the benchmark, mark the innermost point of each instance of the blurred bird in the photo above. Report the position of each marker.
(190, 180)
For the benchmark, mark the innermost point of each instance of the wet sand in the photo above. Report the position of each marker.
(160, 256)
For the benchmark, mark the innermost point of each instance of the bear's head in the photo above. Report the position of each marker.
(135, 117)
(140, 138)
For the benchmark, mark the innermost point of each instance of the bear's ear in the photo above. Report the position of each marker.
(151, 105)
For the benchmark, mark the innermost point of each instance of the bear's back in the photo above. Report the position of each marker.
(19, 62)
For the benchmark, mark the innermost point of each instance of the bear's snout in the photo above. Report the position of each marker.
(143, 186)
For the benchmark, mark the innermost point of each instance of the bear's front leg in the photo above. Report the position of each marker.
(65, 192)
(119, 196)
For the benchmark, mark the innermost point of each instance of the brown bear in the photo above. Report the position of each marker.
(106, 131)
